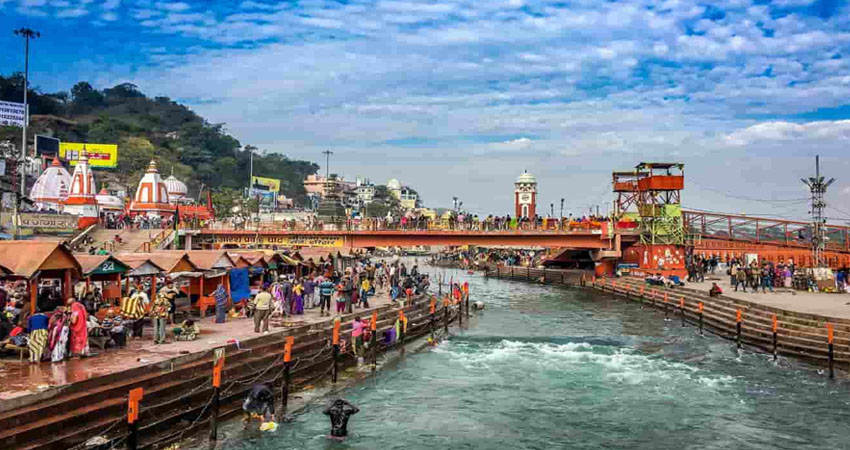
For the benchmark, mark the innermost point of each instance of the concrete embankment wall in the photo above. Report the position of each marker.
(177, 397)
(800, 335)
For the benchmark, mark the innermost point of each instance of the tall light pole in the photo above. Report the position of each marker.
(817, 186)
(562, 209)
(27, 34)
(327, 154)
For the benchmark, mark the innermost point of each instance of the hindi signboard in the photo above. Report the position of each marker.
(284, 241)
(48, 221)
(12, 114)
(103, 156)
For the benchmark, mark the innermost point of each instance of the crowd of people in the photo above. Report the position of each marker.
(119, 221)
(764, 275)
(478, 257)
(454, 221)
(289, 296)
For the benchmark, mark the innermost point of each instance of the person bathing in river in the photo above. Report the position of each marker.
(339, 412)
(260, 402)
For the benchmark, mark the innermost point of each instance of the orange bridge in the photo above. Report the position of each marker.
(584, 239)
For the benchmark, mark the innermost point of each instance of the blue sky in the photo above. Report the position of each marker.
(459, 97)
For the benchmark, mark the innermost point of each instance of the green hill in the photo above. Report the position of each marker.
(199, 153)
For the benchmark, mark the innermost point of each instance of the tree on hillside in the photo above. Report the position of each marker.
(146, 128)
(383, 201)
(85, 98)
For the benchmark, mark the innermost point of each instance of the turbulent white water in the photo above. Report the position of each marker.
(546, 367)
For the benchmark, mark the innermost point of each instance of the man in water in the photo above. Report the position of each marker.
(339, 413)
(260, 401)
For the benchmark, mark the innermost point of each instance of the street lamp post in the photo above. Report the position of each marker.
(27, 34)
(562, 209)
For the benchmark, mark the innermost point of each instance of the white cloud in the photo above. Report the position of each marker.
(74, 12)
(256, 5)
(173, 6)
(109, 16)
(837, 132)
(109, 5)
(603, 84)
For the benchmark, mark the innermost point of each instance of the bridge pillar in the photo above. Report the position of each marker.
(605, 267)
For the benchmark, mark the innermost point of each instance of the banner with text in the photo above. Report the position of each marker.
(12, 113)
(265, 184)
(56, 222)
(104, 156)
(283, 241)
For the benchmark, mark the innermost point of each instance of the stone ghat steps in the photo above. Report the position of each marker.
(231, 404)
(752, 315)
(85, 411)
(800, 336)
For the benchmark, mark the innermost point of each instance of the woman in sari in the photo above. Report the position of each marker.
(79, 336)
(58, 335)
(298, 297)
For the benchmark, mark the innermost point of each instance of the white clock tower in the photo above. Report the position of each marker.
(525, 196)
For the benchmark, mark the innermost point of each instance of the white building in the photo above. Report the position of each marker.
(365, 191)
(406, 197)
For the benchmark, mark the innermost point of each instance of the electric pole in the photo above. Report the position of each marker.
(817, 186)
(27, 34)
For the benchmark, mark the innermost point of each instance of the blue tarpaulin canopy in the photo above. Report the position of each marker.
(239, 285)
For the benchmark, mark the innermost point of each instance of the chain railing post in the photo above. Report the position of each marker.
(287, 365)
(133, 418)
(335, 341)
(218, 367)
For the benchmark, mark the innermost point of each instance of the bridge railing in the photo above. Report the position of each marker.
(546, 225)
(760, 230)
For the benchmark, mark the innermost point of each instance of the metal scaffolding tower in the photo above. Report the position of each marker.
(817, 186)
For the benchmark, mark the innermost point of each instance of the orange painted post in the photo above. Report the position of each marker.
(829, 337)
(433, 310)
(665, 306)
(775, 327)
(133, 416)
(446, 316)
(374, 343)
(738, 320)
(700, 318)
(287, 359)
(218, 367)
(336, 350)
(682, 309)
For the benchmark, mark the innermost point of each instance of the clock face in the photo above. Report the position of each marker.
(525, 198)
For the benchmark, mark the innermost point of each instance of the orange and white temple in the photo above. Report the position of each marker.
(152, 195)
(81, 199)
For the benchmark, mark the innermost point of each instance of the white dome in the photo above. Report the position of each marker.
(526, 177)
(52, 185)
(393, 184)
(176, 188)
(107, 201)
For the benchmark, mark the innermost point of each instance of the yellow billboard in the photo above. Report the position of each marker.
(266, 184)
(104, 156)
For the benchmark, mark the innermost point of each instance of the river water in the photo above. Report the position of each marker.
(549, 367)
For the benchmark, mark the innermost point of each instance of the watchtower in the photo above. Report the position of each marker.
(659, 201)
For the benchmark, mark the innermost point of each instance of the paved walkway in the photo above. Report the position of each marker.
(20, 379)
(830, 305)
